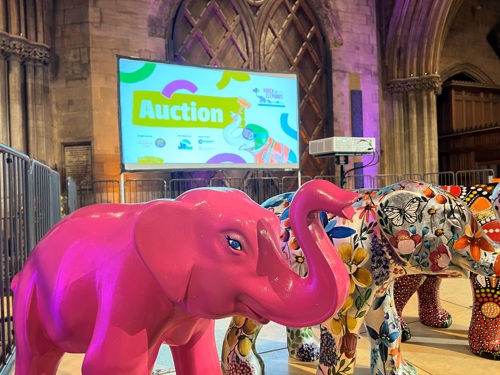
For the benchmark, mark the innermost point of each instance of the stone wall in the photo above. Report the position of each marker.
(88, 36)
(466, 45)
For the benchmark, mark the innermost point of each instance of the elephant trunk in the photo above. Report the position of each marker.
(326, 286)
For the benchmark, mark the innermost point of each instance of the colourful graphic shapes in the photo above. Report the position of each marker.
(149, 160)
(139, 75)
(286, 128)
(179, 84)
(226, 158)
(227, 76)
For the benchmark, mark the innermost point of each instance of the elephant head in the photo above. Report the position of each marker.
(219, 255)
(435, 231)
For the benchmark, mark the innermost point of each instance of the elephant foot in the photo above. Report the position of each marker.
(405, 332)
(484, 332)
(430, 311)
(437, 318)
(302, 344)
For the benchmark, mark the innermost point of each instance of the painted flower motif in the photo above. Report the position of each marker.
(396, 355)
(354, 260)
(429, 193)
(441, 199)
(440, 258)
(405, 243)
(298, 264)
(348, 345)
(384, 338)
(366, 210)
(473, 238)
(342, 322)
(368, 194)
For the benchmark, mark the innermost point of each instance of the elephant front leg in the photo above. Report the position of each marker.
(337, 352)
(302, 344)
(199, 355)
(430, 310)
(384, 333)
(404, 288)
(119, 353)
(484, 329)
(238, 348)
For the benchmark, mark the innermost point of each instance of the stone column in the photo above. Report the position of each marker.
(410, 143)
(4, 104)
(30, 108)
(17, 130)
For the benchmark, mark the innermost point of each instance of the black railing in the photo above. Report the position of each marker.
(30, 206)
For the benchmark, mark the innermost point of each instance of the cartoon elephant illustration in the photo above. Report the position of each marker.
(484, 332)
(115, 281)
(255, 139)
(407, 228)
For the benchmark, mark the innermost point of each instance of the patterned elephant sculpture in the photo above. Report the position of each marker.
(408, 228)
(484, 330)
(115, 281)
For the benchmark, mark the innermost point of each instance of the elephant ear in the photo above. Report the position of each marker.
(163, 240)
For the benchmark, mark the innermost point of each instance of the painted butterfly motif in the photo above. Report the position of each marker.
(399, 215)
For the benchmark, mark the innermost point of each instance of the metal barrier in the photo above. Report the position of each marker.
(72, 197)
(261, 188)
(472, 177)
(99, 191)
(30, 206)
(230, 182)
(291, 183)
(141, 190)
(181, 185)
(440, 178)
(144, 190)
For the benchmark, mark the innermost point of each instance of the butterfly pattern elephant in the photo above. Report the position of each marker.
(407, 228)
(484, 328)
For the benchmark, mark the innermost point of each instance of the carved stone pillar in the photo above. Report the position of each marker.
(17, 130)
(409, 139)
(4, 113)
(24, 96)
(30, 108)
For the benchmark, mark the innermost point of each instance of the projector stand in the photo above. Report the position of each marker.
(341, 161)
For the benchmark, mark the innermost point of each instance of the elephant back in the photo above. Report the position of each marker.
(433, 229)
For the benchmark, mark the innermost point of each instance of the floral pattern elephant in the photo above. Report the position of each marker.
(407, 228)
(484, 331)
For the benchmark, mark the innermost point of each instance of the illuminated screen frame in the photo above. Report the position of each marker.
(190, 117)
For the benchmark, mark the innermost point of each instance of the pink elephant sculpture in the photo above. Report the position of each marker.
(115, 281)
(484, 332)
(408, 228)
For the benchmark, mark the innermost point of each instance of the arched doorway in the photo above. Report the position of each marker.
(262, 35)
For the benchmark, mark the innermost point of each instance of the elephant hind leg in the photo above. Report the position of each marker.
(430, 310)
(484, 332)
(36, 364)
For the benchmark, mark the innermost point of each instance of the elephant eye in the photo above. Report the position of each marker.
(234, 244)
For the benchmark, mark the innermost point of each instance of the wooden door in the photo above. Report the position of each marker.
(274, 35)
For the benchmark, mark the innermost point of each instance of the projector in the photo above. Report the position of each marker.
(342, 146)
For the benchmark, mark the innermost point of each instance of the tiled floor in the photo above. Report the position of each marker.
(432, 351)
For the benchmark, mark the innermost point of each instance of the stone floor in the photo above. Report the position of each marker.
(432, 351)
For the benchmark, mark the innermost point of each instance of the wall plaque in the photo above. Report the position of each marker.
(78, 164)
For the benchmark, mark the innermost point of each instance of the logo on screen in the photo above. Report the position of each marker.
(185, 145)
(160, 142)
(269, 97)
